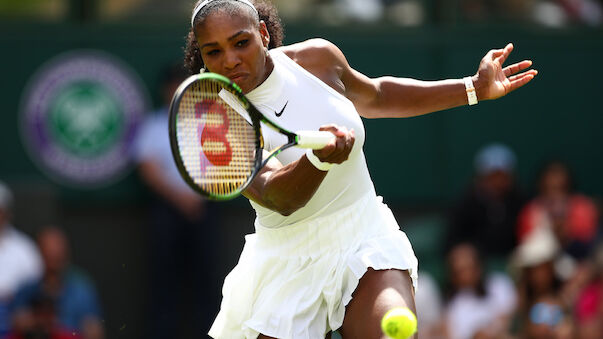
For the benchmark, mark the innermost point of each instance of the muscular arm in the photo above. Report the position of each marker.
(285, 189)
(391, 97)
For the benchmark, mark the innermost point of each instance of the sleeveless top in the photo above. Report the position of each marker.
(304, 102)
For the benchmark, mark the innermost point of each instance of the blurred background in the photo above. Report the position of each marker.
(501, 201)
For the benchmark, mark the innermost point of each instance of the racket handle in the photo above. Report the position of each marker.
(314, 139)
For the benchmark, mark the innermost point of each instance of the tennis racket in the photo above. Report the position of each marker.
(216, 136)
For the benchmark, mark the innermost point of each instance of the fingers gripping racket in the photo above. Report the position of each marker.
(216, 136)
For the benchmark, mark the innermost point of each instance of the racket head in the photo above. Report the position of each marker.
(217, 150)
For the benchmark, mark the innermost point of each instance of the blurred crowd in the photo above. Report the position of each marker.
(42, 295)
(517, 266)
(548, 13)
(514, 263)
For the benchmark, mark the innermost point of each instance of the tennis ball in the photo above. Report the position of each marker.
(399, 323)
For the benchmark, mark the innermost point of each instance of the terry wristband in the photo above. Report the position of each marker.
(323, 166)
(470, 89)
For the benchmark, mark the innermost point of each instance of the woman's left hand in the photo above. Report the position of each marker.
(492, 81)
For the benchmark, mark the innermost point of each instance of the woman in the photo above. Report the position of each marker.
(479, 304)
(327, 254)
(571, 215)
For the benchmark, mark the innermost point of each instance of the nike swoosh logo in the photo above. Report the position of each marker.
(278, 114)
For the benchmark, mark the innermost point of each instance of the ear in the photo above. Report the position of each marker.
(264, 34)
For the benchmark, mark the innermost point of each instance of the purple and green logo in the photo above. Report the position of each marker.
(79, 117)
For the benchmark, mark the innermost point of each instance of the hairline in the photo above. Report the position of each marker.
(216, 6)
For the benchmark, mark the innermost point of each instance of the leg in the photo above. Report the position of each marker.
(377, 293)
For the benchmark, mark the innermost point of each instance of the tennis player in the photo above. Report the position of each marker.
(327, 254)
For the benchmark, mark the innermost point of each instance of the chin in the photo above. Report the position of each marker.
(244, 87)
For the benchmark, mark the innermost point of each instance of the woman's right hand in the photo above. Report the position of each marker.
(338, 150)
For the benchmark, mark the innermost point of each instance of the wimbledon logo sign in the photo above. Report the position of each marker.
(79, 117)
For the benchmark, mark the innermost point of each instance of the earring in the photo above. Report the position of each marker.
(202, 70)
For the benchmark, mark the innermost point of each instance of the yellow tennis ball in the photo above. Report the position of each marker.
(399, 323)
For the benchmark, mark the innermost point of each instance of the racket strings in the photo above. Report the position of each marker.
(217, 145)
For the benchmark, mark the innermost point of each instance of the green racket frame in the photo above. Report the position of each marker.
(256, 117)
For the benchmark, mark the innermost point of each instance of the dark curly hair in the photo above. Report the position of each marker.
(267, 13)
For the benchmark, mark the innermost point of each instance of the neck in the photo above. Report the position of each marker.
(269, 67)
(53, 281)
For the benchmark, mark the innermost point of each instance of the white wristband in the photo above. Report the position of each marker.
(470, 89)
(323, 166)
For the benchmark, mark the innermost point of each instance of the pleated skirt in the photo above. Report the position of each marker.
(295, 281)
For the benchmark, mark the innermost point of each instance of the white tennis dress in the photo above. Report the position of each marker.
(297, 273)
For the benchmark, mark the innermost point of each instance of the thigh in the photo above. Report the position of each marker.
(377, 292)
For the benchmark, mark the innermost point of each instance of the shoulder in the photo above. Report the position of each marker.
(316, 53)
(21, 242)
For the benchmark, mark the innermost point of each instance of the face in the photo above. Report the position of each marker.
(555, 181)
(498, 182)
(54, 250)
(234, 46)
(464, 267)
(541, 277)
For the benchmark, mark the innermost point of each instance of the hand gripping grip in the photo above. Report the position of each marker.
(314, 139)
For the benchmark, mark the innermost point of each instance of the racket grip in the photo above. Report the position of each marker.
(314, 139)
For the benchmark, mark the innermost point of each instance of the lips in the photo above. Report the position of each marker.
(237, 77)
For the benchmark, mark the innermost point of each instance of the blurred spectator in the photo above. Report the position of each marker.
(560, 13)
(589, 305)
(534, 264)
(487, 214)
(19, 259)
(362, 10)
(542, 304)
(399, 12)
(479, 305)
(182, 233)
(405, 12)
(62, 287)
(572, 216)
(41, 321)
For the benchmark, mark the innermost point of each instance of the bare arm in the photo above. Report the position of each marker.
(390, 97)
(285, 189)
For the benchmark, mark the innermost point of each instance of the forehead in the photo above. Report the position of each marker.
(220, 21)
(463, 254)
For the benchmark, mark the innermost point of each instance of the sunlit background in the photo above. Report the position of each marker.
(80, 77)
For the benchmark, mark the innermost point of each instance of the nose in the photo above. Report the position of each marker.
(231, 60)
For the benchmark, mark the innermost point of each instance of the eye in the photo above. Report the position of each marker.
(212, 52)
(242, 43)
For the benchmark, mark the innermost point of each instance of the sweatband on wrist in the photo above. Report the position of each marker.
(323, 166)
(470, 89)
